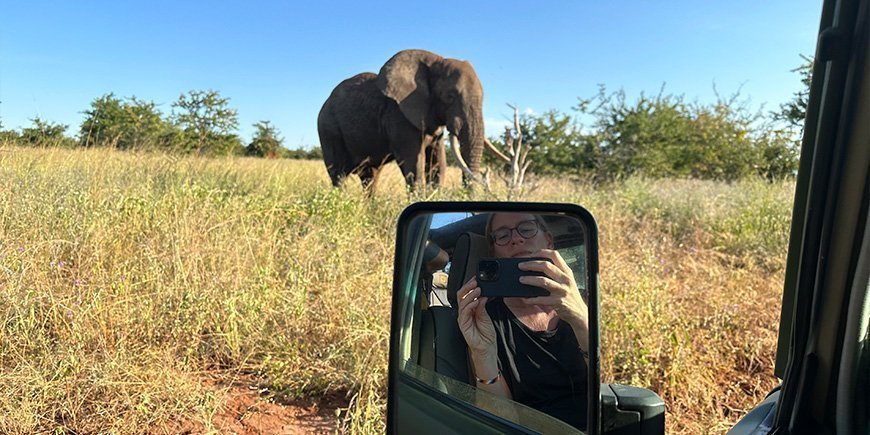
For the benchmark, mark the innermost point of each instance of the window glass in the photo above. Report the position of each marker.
(498, 406)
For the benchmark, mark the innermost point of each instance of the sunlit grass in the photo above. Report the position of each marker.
(127, 279)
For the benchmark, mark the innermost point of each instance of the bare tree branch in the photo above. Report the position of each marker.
(519, 163)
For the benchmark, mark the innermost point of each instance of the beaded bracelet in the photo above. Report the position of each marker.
(488, 381)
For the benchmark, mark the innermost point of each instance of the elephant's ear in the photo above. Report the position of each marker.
(405, 79)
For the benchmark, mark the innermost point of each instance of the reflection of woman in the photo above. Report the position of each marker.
(531, 350)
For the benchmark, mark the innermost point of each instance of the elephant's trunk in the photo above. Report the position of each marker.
(468, 129)
(471, 138)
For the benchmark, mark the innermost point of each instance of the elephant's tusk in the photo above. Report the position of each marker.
(454, 145)
(495, 150)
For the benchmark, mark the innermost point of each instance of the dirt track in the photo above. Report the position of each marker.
(246, 411)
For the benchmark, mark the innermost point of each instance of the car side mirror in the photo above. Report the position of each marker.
(631, 410)
(495, 324)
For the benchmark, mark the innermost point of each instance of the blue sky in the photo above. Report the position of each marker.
(278, 61)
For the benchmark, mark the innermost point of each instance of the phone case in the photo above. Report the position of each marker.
(506, 282)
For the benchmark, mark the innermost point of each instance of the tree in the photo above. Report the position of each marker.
(121, 124)
(794, 112)
(778, 155)
(44, 133)
(640, 137)
(302, 153)
(659, 136)
(519, 156)
(558, 144)
(207, 122)
(266, 142)
(104, 123)
(7, 136)
(663, 136)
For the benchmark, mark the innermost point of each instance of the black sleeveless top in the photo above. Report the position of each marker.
(545, 370)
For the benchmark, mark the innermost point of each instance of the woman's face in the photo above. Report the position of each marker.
(518, 246)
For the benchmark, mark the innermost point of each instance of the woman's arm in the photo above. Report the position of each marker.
(486, 370)
(581, 333)
(479, 334)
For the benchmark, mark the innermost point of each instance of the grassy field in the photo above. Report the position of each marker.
(131, 283)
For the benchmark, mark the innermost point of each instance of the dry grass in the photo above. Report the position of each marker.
(126, 279)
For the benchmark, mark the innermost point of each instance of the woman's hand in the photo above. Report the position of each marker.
(564, 296)
(479, 333)
(474, 321)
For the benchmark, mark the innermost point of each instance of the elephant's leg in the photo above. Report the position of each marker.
(436, 161)
(407, 144)
(412, 165)
(433, 168)
(337, 173)
(439, 156)
(412, 161)
(335, 156)
(414, 169)
(368, 175)
(441, 150)
(369, 179)
(429, 169)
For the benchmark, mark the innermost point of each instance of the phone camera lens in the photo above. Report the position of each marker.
(487, 270)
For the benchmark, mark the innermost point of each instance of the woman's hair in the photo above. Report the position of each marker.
(542, 225)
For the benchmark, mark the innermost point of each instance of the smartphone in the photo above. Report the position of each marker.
(501, 277)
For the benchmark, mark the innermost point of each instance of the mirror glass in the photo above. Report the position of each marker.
(496, 312)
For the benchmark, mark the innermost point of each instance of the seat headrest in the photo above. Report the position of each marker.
(470, 247)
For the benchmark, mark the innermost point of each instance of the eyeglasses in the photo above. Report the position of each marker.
(526, 229)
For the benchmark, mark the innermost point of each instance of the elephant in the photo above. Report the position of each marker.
(401, 114)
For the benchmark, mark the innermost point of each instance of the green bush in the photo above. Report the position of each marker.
(122, 124)
(266, 141)
(302, 153)
(658, 137)
(664, 136)
(207, 123)
(46, 134)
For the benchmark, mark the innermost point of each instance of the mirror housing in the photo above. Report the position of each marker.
(631, 410)
(415, 390)
(436, 399)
